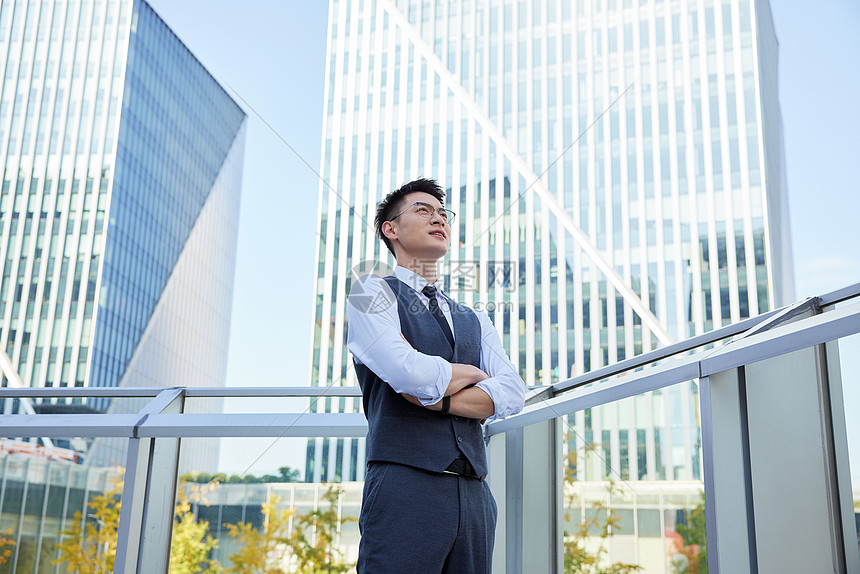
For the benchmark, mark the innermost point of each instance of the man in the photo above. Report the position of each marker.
(431, 370)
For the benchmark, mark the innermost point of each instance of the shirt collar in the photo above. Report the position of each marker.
(416, 281)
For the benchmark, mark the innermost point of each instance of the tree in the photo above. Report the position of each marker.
(262, 551)
(288, 474)
(605, 523)
(285, 474)
(309, 547)
(191, 542)
(5, 544)
(321, 556)
(89, 547)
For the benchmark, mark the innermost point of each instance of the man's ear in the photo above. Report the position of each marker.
(388, 230)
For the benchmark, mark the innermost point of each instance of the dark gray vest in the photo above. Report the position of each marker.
(401, 432)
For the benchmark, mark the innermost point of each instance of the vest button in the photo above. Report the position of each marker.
(456, 418)
(459, 439)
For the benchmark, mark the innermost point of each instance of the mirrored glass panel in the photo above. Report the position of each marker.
(55, 511)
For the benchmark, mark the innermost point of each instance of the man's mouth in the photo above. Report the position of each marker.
(439, 233)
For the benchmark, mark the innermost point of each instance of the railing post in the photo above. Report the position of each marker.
(149, 495)
(133, 502)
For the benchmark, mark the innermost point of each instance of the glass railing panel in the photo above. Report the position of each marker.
(633, 484)
(657, 528)
(252, 509)
(55, 509)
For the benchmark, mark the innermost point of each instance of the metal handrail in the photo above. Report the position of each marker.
(839, 295)
(831, 298)
(190, 392)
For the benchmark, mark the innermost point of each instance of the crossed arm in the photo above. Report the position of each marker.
(467, 400)
(374, 338)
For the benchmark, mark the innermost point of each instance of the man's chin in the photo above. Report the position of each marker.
(428, 255)
(438, 253)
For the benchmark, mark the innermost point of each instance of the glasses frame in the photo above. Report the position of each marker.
(447, 218)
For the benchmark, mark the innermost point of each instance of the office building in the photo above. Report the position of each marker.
(617, 171)
(121, 173)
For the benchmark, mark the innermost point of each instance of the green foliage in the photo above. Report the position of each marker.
(191, 542)
(321, 556)
(89, 547)
(272, 549)
(285, 474)
(262, 552)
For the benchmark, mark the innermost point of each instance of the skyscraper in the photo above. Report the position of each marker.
(122, 162)
(617, 171)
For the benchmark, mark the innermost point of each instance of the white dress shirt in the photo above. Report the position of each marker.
(375, 340)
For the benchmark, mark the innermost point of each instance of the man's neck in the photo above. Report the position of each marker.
(426, 268)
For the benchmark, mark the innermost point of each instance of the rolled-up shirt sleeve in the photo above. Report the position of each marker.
(374, 339)
(504, 385)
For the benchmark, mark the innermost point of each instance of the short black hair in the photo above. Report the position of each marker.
(391, 204)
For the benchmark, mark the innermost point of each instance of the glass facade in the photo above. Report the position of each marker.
(121, 160)
(616, 167)
(38, 502)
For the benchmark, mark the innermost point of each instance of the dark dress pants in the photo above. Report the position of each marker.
(415, 522)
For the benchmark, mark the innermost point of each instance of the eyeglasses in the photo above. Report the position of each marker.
(426, 211)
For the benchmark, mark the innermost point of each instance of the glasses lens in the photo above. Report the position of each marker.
(427, 210)
(424, 210)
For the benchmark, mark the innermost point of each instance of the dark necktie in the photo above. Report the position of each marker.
(430, 292)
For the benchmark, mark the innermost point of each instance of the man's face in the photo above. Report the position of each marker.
(416, 236)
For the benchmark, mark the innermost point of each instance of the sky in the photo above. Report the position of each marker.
(270, 55)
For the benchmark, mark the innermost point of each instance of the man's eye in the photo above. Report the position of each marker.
(423, 211)
(444, 215)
